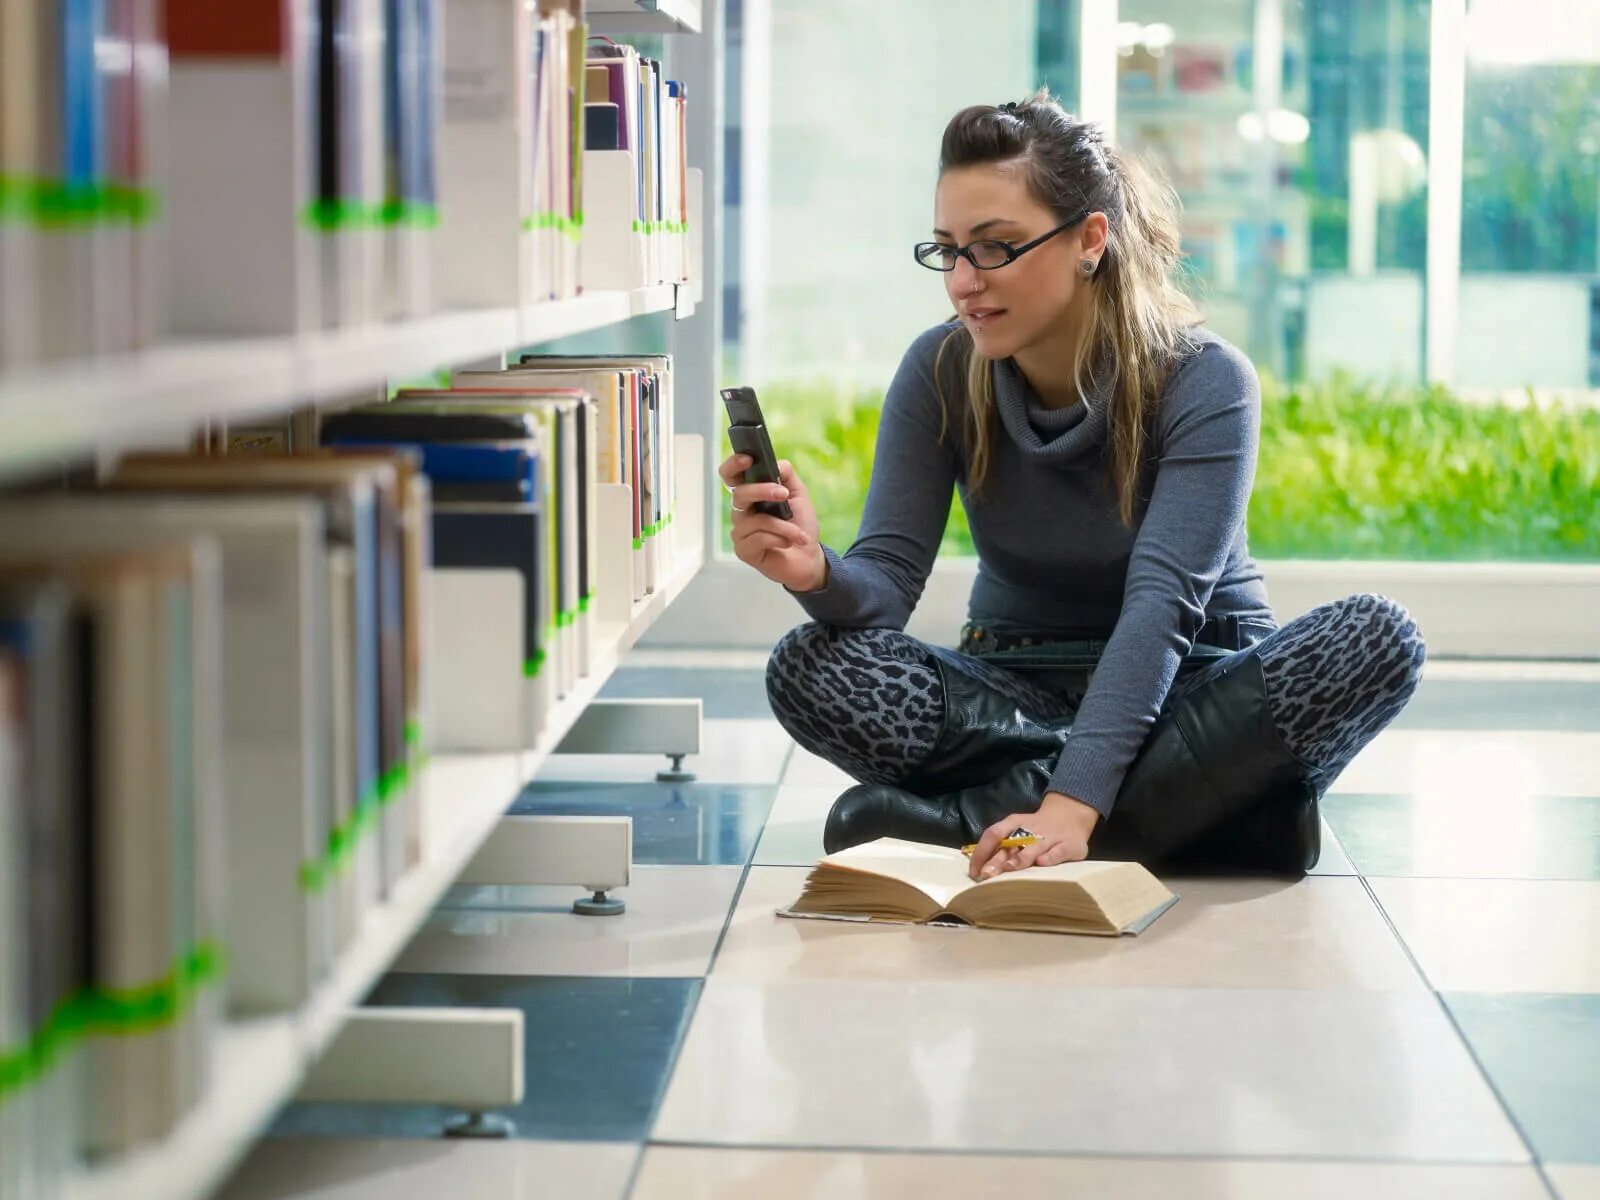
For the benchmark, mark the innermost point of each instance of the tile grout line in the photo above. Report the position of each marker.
(1466, 1042)
(688, 1021)
(1128, 1155)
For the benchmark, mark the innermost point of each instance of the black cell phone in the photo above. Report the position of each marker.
(747, 430)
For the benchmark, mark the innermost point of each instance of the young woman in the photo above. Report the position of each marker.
(1121, 689)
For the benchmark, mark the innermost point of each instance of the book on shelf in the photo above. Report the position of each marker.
(44, 890)
(510, 153)
(241, 208)
(557, 656)
(115, 654)
(645, 446)
(372, 514)
(649, 160)
(81, 261)
(278, 797)
(466, 448)
(901, 882)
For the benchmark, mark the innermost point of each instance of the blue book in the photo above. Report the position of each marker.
(83, 138)
(447, 463)
(502, 535)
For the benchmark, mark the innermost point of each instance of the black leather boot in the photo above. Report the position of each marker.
(1213, 780)
(873, 810)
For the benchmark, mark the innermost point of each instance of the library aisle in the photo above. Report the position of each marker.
(1420, 1018)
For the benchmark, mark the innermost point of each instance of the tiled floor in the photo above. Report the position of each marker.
(1419, 1018)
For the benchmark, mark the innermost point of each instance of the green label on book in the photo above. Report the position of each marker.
(111, 1012)
(51, 204)
(572, 227)
(346, 836)
(410, 214)
(330, 216)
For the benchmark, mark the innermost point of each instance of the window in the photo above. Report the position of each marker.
(1298, 134)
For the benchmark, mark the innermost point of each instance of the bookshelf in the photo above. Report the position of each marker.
(81, 410)
(51, 413)
(260, 1062)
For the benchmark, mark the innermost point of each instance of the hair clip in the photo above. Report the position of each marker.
(1010, 106)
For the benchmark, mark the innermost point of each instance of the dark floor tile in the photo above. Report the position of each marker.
(708, 824)
(1533, 837)
(726, 692)
(1542, 1053)
(1502, 704)
(598, 1053)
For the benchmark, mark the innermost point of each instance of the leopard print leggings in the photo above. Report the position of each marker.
(871, 700)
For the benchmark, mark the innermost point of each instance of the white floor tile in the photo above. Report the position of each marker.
(747, 750)
(1499, 935)
(1222, 933)
(1519, 670)
(793, 836)
(1509, 764)
(690, 657)
(375, 1169)
(955, 1066)
(692, 1173)
(1574, 1182)
(671, 926)
(807, 770)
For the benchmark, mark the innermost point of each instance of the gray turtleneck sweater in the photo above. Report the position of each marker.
(1053, 557)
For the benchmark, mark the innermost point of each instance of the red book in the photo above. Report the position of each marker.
(235, 29)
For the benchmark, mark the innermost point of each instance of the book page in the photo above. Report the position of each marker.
(939, 872)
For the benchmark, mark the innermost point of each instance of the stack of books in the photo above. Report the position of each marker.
(638, 118)
(401, 156)
(221, 659)
(515, 460)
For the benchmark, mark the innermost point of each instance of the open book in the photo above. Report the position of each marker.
(910, 883)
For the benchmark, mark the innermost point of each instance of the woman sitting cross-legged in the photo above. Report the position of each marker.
(1122, 689)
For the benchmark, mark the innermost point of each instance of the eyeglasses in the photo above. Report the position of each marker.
(986, 255)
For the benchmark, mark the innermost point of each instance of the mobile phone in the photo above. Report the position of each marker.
(747, 430)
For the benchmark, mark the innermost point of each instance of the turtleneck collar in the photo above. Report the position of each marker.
(1075, 434)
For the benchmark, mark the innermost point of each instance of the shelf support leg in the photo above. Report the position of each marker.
(670, 727)
(467, 1058)
(594, 853)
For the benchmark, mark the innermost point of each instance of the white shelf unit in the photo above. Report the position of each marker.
(645, 16)
(261, 1062)
(60, 410)
(72, 410)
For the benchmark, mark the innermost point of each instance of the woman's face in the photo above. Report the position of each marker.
(1015, 306)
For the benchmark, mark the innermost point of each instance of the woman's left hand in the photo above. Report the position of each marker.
(1062, 825)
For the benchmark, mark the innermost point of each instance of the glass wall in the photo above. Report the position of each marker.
(1299, 135)
(1530, 196)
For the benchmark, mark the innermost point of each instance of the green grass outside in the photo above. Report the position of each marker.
(1347, 470)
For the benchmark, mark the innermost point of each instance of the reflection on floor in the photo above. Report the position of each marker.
(1419, 1018)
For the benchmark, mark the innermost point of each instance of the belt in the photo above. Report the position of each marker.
(1225, 633)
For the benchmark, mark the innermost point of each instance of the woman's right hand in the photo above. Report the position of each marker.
(786, 552)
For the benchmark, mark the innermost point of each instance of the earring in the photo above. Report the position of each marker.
(1086, 267)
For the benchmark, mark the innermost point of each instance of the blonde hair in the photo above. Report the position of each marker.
(1137, 319)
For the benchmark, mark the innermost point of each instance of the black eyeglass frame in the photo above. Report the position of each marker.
(1012, 252)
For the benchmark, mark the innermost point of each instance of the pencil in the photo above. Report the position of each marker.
(1003, 844)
